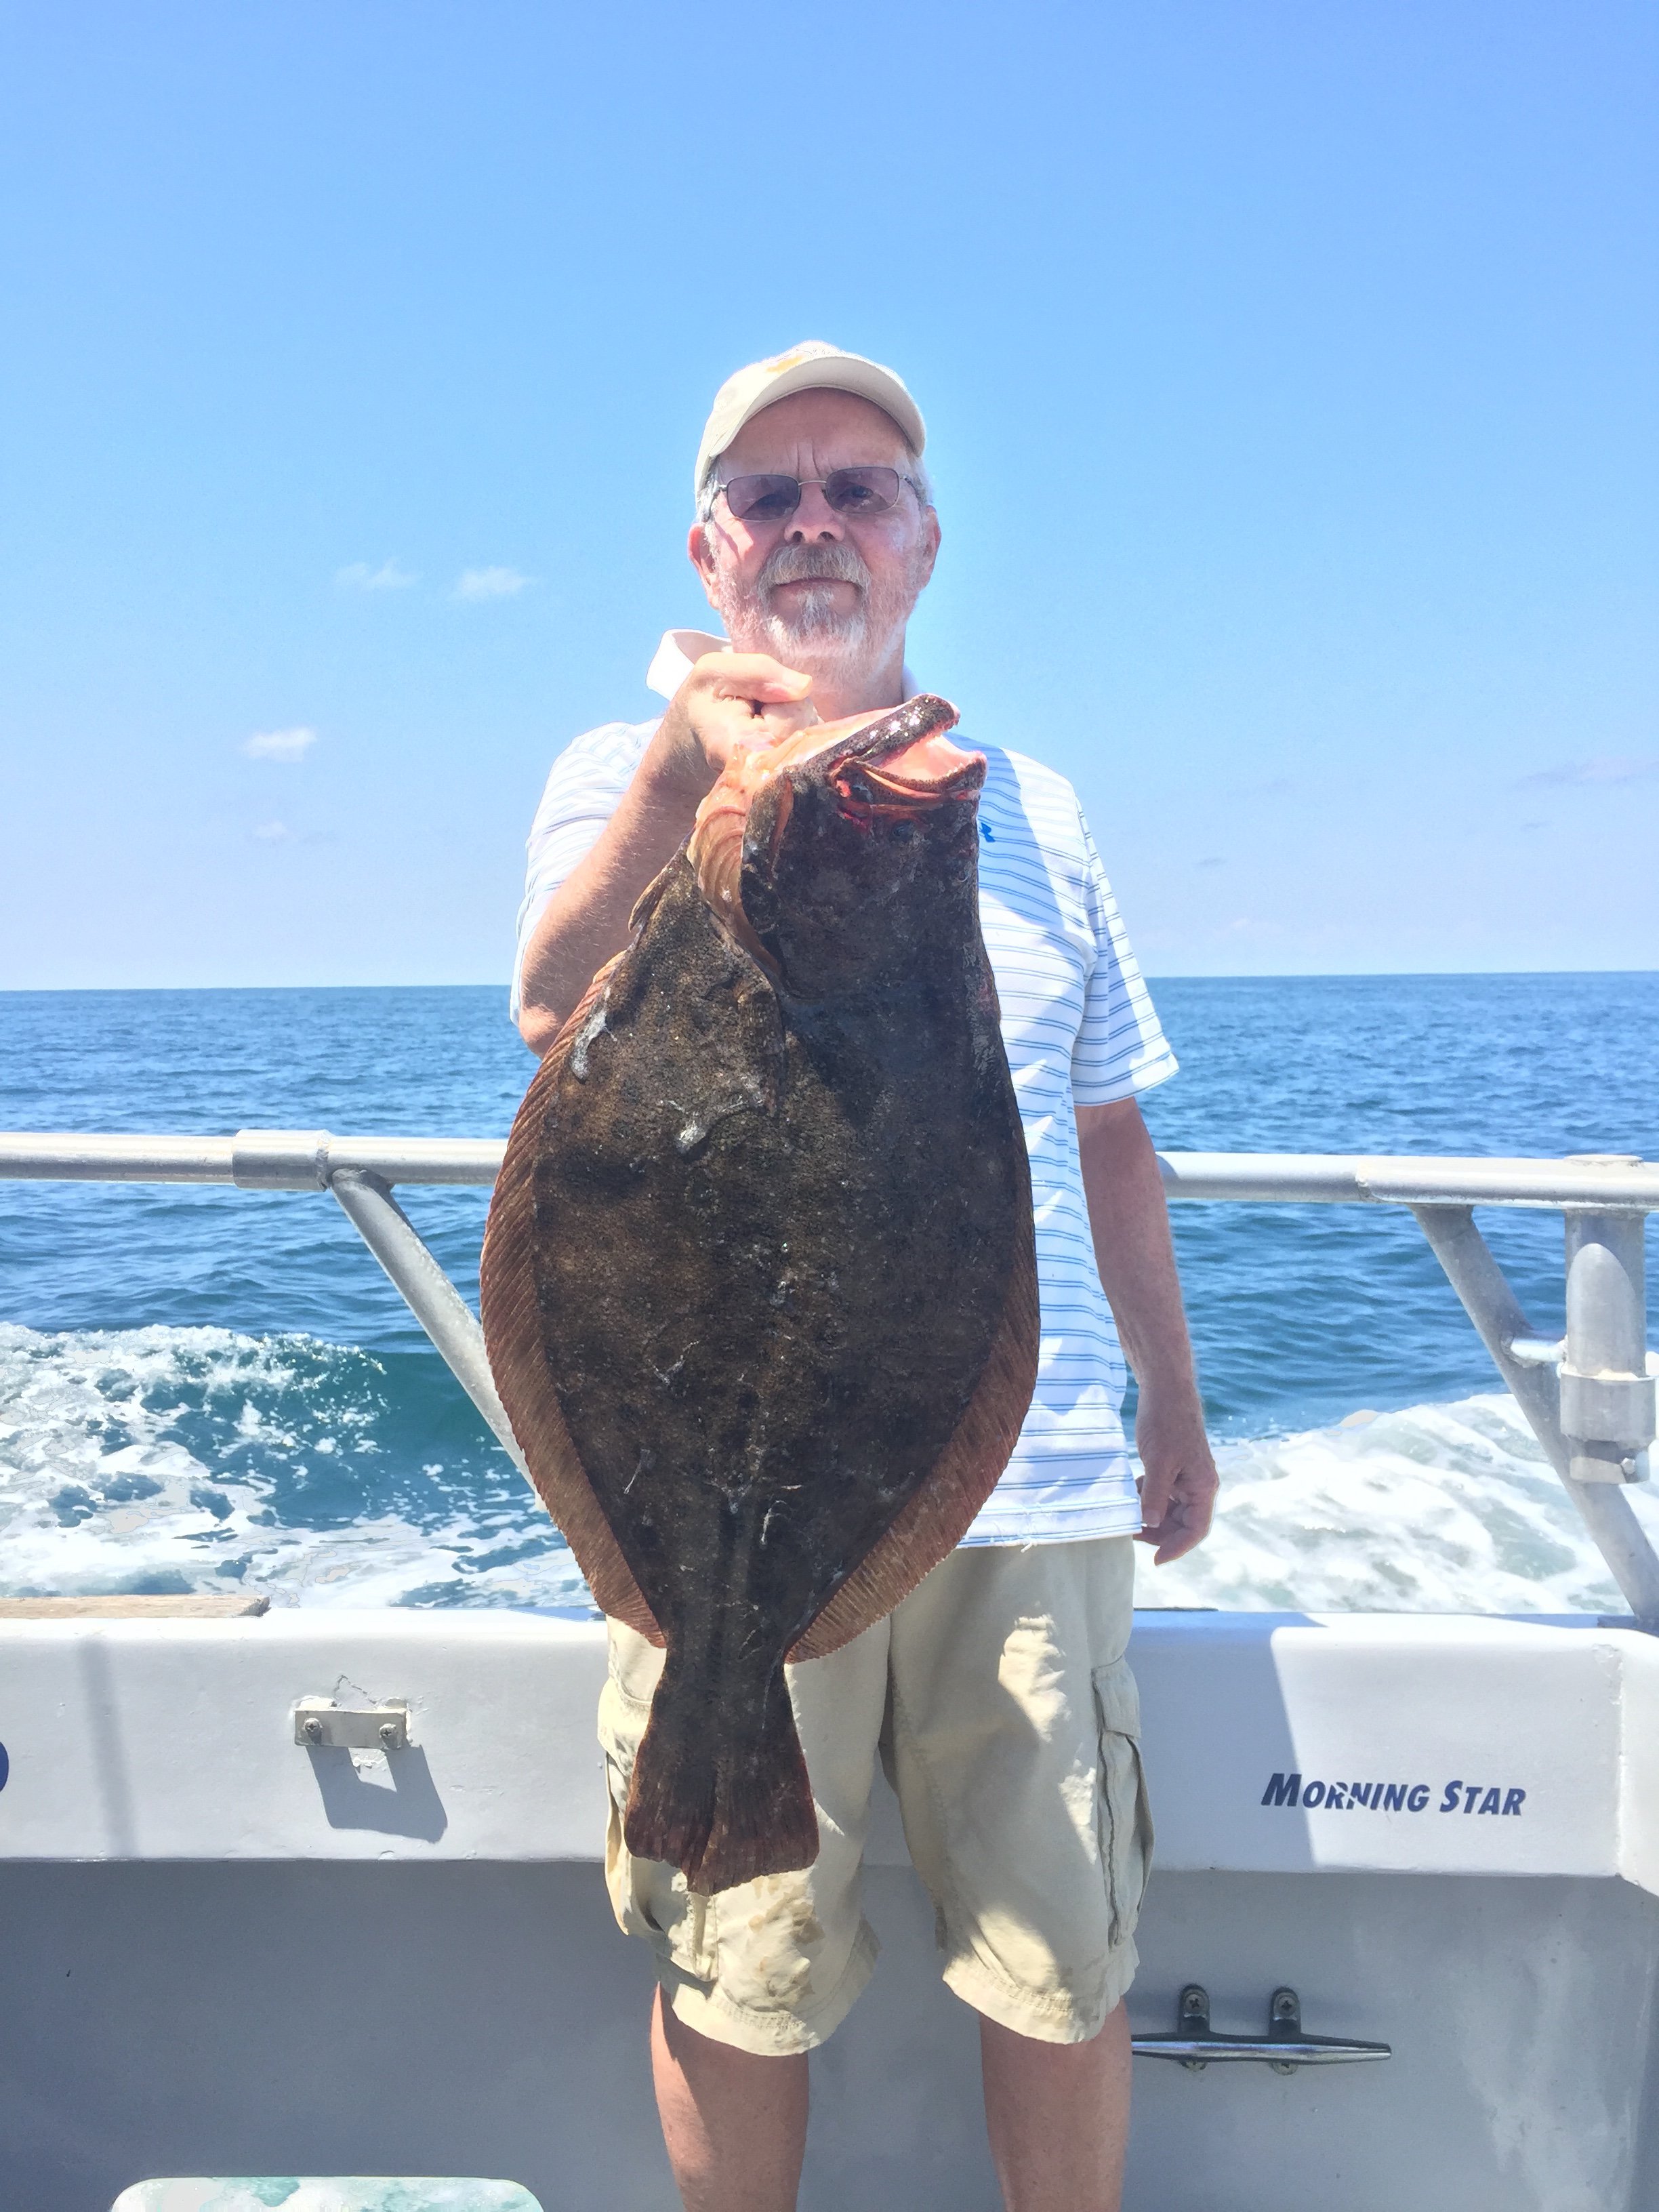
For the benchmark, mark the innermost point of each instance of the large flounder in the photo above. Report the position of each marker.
(759, 1282)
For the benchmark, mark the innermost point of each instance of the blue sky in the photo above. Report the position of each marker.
(1291, 373)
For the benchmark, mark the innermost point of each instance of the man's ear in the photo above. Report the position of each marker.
(930, 540)
(701, 555)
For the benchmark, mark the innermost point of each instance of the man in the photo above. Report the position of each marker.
(997, 1694)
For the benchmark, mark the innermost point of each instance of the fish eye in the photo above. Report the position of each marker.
(903, 832)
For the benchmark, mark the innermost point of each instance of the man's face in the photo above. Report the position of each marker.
(816, 588)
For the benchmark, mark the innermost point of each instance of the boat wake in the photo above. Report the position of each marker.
(1436, 1508)
(171, 1460)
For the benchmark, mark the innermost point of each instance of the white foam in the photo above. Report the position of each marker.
(97, 1494)
(1438, 1509)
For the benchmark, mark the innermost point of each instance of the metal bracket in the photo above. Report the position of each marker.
(1607, 1416)
(1537, 1351)
(1606, 1386)
(279, 1160)
(1607, 1407)
(1195, 2045)
(1593, 1473)
(321, 1725)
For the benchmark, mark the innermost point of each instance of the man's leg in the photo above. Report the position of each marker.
(1014, 1746)
(1058, 2117)
(761, 1973)
(734, 2123)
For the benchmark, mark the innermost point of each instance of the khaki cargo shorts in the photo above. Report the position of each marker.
(1006, 1716)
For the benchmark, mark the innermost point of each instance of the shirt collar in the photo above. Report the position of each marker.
(671, 662)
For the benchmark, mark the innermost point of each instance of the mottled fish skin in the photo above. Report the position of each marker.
(782, 1265)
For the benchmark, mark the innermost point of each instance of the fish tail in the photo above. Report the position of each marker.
(719, 1788)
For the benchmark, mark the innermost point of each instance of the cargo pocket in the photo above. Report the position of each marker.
(649, 1900)
(622, 1724)
(1126, 1818)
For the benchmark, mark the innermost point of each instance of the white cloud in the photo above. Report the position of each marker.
(271, 832)
(279, 744)
(1604, 769)
(388, 577)
(489, 584)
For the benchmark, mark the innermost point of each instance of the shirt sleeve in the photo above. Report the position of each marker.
(587, 779)
(1120, 1048)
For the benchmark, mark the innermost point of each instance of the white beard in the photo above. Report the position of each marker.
(813, 634)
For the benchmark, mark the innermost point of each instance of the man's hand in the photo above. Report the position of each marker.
(1179, 1484)
(1131, 1226)
(727, 699)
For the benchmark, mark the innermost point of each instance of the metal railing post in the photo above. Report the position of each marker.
(433, 1299)
(1606, 1392)
(1493, 1307)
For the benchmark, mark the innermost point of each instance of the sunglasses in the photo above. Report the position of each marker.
(846, 491)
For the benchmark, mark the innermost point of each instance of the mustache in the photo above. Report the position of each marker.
(801, 564)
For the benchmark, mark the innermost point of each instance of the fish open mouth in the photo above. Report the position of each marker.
(925, 773)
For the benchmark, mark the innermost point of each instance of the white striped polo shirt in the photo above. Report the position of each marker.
(1080, 1029)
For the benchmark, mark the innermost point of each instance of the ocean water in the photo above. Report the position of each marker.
(207, 1389)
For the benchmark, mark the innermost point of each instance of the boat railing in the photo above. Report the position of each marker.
(1589, 1396)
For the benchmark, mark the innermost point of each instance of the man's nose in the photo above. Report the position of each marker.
(814, 520)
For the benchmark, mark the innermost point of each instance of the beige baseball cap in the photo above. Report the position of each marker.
(813, 367)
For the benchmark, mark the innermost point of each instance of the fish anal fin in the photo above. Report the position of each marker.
(939, 1517)
(518, 1359)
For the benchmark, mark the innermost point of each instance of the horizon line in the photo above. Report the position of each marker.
(1287, 975)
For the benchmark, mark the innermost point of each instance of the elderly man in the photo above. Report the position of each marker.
(997, 1694)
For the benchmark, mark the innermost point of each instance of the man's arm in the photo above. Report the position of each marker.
(1130, 1224)
(727, 698)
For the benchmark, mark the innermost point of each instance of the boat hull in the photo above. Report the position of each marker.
(230, 1951)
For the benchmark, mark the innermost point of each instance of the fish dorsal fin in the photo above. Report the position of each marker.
(512, 1331)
